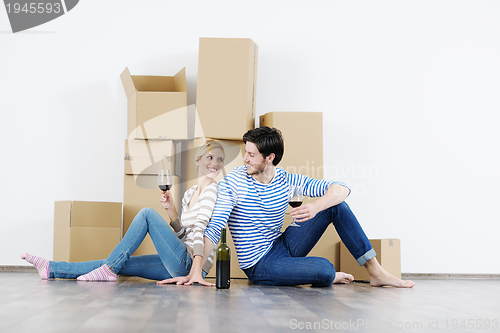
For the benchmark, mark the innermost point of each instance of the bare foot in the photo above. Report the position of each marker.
(344, 278)
(379, 277)
(390, 280)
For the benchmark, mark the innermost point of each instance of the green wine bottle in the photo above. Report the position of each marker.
(222, 265)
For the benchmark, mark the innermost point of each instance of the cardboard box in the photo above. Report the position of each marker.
(147, 157)
(328, 245)
(157, 106)
(234, 152)
(140, 192)
(226, 88)
(388, 255)
(303, 135)
(85, 230)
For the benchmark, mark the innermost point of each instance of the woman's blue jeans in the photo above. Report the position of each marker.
(172, 259)
(286, 263)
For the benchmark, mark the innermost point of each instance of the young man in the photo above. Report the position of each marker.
(253, 200)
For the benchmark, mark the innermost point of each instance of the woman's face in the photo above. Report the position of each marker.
(211, 163)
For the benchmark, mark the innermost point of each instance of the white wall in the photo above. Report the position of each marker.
(408, 90)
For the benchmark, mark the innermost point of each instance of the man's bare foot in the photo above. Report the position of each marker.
(379, 277)
(344, 278)
(389, 280)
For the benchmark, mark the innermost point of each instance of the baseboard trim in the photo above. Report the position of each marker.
(18, 269)
(444, 276)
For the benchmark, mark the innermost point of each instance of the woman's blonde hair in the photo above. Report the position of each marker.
(206, 147)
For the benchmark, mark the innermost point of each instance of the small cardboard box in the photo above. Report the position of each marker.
(85, 230)
(328, 245)
(303, 135)
(388, 255)
(147, 157)
(141, 191)
(157, 106)
(226, 88)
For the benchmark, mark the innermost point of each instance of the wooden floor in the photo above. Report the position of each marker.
(28, 304)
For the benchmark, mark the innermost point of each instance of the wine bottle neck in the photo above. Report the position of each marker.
(223, 236)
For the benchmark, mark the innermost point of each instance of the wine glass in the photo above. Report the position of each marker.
(164, 180)
(296, 201)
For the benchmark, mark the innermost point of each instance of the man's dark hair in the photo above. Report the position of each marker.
(268, 141)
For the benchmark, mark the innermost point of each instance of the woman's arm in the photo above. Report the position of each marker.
(200, 252)
(206, 207)
(167, 203)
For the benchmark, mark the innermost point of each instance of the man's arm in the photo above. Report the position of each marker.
(335, 194)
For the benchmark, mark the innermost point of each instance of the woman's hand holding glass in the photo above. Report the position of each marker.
(166, 200)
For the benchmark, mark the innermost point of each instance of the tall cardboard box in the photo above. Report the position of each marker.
(147, 157)
(234, 152)
(141, 191)
(157, 106)
(86, 230)
(388, 255)
(226, 88)
(328, 245)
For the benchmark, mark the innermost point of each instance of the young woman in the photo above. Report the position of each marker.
(176, 246)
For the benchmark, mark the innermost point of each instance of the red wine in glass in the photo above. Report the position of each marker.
(295, 202)
(165, 187)
(164, 180)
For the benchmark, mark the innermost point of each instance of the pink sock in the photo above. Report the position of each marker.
(103, 273)
(41, 264)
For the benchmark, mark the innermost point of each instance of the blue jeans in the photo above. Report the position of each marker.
(172, 259)
(286, 264)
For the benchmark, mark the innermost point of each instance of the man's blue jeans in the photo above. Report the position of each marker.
(172, 259)
(286, 264)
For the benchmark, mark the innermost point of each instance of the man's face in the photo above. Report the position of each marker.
(255, 162)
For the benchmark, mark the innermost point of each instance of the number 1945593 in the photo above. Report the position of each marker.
(34, 8)
(472, 324)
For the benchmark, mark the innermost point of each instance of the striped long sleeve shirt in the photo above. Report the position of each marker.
(194, 221)
(254, 212)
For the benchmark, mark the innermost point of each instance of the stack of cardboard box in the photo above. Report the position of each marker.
(163, 134)
(157, 116)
